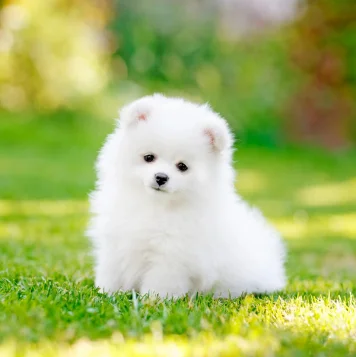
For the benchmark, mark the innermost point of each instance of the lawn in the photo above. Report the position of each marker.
(50, 307)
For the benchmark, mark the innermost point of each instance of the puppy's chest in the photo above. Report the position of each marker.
(153, 238)
(154, 228)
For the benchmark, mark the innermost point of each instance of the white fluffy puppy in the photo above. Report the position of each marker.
(165, 215)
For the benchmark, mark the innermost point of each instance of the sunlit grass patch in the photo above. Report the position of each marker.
(325, 225)
(230, 345)
(42, 207)
(315, 285)
(329, 194)
(42, 221)
(255, 327)
(335, 319)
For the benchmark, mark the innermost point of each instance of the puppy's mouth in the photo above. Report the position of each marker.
(158, 189)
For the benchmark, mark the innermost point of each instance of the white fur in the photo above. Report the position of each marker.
(195, 236)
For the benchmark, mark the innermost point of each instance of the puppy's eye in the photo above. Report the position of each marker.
(181, 166)
(149, 158)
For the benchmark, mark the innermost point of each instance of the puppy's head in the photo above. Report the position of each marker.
(172, 147)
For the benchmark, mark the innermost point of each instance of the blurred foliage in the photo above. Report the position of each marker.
(295, 82)
(53, 53)
(291, 83)
(324, 53)
(180, 48)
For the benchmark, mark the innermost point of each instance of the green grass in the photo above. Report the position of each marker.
(50, 307)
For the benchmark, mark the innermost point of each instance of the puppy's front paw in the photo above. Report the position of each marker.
(163, 294)
(164, 287)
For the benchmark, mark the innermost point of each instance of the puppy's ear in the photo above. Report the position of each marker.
(219, 136)
(139, 110)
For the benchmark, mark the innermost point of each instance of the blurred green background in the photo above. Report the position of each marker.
(277, 82)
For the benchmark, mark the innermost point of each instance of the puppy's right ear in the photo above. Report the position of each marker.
(139, 110)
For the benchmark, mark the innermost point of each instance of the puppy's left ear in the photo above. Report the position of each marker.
(219, 136)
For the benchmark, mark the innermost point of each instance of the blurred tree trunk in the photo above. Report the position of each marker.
(321, 109)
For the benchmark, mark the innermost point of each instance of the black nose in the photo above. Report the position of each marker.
(161, 178)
